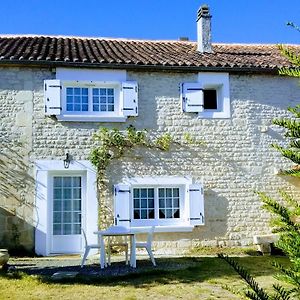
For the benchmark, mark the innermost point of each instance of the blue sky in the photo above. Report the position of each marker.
(234, 21)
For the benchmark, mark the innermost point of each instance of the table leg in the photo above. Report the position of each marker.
(132, 251)
(102, 252)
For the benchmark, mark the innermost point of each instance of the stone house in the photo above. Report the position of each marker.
(55, 92)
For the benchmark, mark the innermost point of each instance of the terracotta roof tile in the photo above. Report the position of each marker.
(137, 53)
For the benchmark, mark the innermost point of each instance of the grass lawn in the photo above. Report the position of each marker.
(196, 277)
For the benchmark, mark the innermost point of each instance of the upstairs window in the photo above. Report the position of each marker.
(91, 101)
(209, 97)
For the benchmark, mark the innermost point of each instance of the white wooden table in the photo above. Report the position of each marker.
(117, 231)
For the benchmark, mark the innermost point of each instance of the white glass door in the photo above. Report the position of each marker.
(66, 214)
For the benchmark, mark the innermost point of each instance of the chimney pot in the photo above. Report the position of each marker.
(204, 29)
(183, 38)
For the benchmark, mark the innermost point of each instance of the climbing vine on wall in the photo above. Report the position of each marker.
(113, 144)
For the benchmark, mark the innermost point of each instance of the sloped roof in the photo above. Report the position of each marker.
(123, 53)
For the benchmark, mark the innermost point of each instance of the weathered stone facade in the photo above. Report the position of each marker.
(234, 159)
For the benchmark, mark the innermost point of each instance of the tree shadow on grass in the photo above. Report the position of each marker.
(168, 271)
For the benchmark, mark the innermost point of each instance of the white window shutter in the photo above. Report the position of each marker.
(130, 98)
(122, 205)
(52, 97)
(196, 204)
(191, 95)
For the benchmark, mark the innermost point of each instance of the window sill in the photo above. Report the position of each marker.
(90, 118)
(161, 228)
(214, 115)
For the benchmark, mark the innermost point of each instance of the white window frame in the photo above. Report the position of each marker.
(219, 82)
(126, 94)
(90, 113)
(162, 182)
(159, 221)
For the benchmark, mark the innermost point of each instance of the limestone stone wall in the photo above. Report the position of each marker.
(19, 87)
(234, 160)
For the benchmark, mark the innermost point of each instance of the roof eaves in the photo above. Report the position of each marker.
(148, 67)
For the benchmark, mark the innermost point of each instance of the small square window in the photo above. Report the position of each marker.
(210, 100)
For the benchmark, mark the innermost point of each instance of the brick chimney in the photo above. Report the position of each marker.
(204, 29)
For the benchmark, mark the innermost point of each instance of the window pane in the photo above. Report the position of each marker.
(67, 217)
(169, 213)
(67, 181)
(136, 193)
(95, 92)
(161, 193)
(176, 213)
(110, 108)
(144, 203)
(76, 228)
(110, 100)
(161, 213)
(57, 193)
(151, 213)
(143, 193)
(67, 206)
(57, 229)
(76, 181)
(57, 181)
(76, 217)
(150, 193)
(67, 193)
(110, 92)
(57, 217)
(57, 205)
(95, 107)
(169, 202)
(77, 91)
(151, 203)
(162, 203)
(84, 91)
(176, 202)
(103, 100)
(77, 193)
(176, 192)
(77, 205)
(76, 107)
(136, 203)
(136, 214)
(85, 100)
(102, 107)
(69, 99)
(168, 192)
(143, 213)
(70, 107)
(67, 229)
(69, 91)
(102, 92)
(85, 107)
(77, 99)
